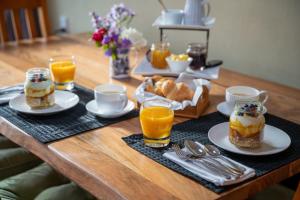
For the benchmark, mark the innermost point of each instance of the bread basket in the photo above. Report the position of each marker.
(193, 108)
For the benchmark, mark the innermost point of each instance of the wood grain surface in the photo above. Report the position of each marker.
(99, 160)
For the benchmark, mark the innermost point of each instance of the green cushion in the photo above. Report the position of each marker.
(6, 143)
(27, 185)
(64, 192)
(275, 192)
(16, 160)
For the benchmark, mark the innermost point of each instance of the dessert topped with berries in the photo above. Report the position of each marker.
(247, 124)
(39, 88)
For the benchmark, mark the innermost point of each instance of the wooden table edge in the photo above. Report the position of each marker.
(103, 190)
(98, 188)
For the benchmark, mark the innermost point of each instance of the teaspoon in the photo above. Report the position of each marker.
(215, 152)
(198, 151)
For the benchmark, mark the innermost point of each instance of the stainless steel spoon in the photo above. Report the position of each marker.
(198, 151)
(214, 151)
(199, 162)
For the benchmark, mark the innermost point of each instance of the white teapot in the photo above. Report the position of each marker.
(194, 12)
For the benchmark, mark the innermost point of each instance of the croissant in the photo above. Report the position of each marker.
(177, 91)
(171, 90)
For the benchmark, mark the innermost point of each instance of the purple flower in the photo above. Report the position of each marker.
(126, 43)
(106, 39)
(115, 37)
(110, 40)
(108, 52)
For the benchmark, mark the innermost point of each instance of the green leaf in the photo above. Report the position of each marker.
(98, 44)
(105, 47)
(114, 56)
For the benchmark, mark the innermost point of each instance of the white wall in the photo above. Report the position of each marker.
(256, 37)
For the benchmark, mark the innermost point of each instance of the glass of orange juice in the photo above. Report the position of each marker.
(156, 117)
(63, 71)
(159, 53)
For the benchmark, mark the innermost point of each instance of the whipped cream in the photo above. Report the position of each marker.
(39, 85)
(248, 120)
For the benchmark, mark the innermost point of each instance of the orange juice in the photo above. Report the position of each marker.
(63, 72)
(156, 122)
(159, 53)
(158, 59)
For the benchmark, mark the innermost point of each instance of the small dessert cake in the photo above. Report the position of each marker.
(246, 125)
(39, 89)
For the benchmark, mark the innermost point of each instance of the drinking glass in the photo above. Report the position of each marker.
(158, 54)
(63, 71)
(156, 117)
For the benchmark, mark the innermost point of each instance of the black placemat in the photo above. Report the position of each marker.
(197, 130)
(61, 125)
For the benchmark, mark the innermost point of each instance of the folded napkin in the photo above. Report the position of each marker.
(8, 93)
(207, 175)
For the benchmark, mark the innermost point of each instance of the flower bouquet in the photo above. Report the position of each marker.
(113, 36)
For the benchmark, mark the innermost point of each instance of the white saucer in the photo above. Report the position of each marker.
(92, 108)
(275, 140)
(64, 100)
(225, 110)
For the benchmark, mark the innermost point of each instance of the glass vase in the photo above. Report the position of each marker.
(119, 66)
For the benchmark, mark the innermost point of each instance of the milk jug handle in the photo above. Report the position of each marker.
(206, 2)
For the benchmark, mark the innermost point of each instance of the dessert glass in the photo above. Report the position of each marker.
(39, 88)
(246, 126)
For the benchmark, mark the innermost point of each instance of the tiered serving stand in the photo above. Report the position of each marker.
(183, 27)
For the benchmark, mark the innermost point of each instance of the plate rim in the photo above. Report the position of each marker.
(110, 116)
(250, 154)
(45, 113)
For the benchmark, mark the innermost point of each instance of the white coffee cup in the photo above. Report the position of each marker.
(172, 16)
(110, 98)
(244, 93)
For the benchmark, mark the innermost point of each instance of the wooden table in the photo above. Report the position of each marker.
(99, 160)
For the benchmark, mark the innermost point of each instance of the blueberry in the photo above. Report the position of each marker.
(240, 114)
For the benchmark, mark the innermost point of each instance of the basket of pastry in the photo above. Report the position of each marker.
(189, 96)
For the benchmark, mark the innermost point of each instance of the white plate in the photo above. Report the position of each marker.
(275, 140)
(92, 108)
(63, 101)
(146, 69)
(225, 110)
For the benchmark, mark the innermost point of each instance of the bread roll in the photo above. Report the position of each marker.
(149, 88)
(168, 88)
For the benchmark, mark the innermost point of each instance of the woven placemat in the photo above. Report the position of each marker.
(61, 125)
(197, 130)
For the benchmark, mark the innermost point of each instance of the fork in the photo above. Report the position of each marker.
(207, 165)
(11, 89)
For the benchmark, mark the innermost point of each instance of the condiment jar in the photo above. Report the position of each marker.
(158, 54)
(197, 51)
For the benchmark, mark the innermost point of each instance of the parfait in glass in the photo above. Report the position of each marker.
(246, 126)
